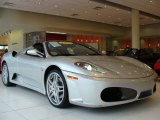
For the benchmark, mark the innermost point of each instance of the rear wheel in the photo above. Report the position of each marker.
(5, 75)
(56, 88)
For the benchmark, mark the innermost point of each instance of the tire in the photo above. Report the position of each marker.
(5, 76)
(56, 89)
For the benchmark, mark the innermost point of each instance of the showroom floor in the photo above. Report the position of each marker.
(18, 103)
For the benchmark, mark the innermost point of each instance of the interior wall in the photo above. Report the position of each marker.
(145, 30)
(55, 22)
(150, 30)
(4, 40)
(15, 20)
(16, 40)
(29, 22)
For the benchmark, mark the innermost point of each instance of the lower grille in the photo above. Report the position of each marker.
(145, 94)
(114, 94)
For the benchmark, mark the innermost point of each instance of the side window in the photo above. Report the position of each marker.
(39, 47)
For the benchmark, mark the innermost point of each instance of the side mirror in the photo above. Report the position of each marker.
(14, 53)
(35, 52)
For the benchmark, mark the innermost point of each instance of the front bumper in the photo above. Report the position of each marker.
(86, 91)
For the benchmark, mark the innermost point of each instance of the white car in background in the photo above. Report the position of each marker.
(69, 72)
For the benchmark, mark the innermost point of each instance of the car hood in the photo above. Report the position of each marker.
(118, 67)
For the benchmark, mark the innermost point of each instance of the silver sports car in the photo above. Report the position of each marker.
(69, 72)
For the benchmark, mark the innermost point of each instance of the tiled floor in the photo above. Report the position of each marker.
(18, 103)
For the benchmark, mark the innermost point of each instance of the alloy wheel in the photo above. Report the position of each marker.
(55, 88)
(5, 74)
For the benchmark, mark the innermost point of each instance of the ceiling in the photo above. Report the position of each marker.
(89, 10)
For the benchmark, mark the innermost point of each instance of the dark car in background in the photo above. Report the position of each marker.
(157, 68)
(146, 56)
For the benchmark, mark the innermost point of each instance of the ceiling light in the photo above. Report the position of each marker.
(8, 4)
(74, 14)
(154, 19)
(97, 8)
(150, 1)
(105, 6)
(142, 24)
(57, 14)
(90, 1)
(55, 6)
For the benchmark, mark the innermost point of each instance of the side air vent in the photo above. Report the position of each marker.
(14, 76)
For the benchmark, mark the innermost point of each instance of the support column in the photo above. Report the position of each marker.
(103, 45)
(135, 29)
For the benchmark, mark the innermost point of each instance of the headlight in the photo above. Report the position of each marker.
(90, 67)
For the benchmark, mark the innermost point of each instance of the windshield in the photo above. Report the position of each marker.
(69, 49)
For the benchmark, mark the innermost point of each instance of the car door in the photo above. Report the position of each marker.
(30, 69)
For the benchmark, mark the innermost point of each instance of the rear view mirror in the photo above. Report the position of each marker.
(14, 53)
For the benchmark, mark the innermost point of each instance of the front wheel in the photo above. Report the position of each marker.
(56, 88)
(5, 75)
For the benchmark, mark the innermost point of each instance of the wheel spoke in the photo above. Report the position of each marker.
(57, 98)
(5, 74)
(60, 89)
(61, 96)
(50, 83)
(51, 77)
(51, 94)
(55, 79)
(54, 100)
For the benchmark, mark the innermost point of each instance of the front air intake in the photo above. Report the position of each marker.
(114, 94)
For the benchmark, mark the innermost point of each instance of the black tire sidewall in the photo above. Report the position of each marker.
(6, 84)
